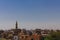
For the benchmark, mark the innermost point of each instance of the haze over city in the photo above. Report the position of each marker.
(30, 14)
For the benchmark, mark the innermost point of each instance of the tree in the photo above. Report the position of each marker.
(2, 39)
(53, 36)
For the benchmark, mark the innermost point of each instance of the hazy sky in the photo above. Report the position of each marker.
(30, 14)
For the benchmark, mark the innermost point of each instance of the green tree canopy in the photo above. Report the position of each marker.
(53, 36)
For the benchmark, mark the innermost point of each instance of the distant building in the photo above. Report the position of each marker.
(21, 34)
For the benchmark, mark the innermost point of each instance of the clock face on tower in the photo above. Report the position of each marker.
(15, 38)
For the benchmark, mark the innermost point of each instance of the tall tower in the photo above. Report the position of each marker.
(16, 25)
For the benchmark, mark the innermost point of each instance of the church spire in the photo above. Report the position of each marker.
(16, 25)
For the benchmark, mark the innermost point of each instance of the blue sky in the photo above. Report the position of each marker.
(30, 12)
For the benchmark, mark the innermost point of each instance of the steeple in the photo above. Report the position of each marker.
(16, 25)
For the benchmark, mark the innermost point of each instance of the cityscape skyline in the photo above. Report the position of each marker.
(30, 14)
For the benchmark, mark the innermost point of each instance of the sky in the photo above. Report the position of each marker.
(30, 14)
